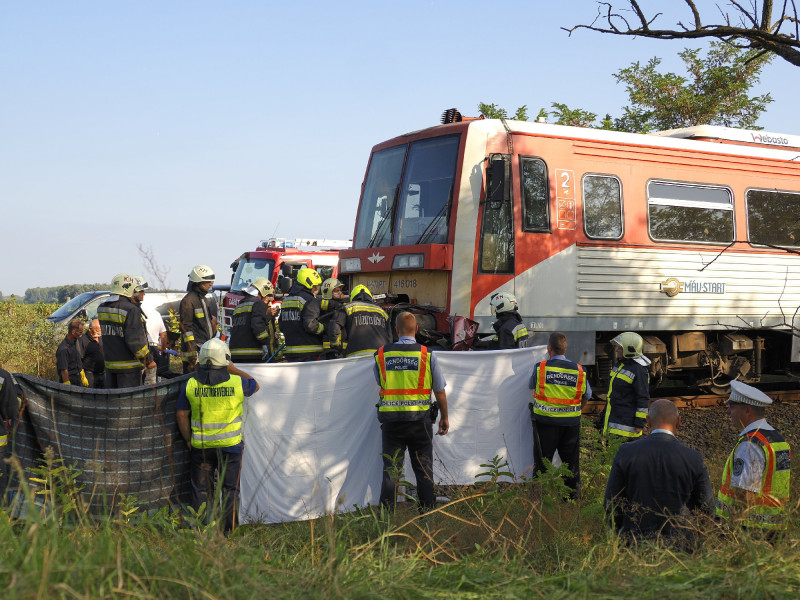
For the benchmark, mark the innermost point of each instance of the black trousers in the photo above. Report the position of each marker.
(566, 439)
(122, 379)
(417, 437)
(227, 465)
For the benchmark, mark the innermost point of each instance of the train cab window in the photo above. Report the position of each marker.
(535, 194)
(426, 192)
(773, 217)
(497, 229)
(602, 207)
(686, 212)
(374, 226)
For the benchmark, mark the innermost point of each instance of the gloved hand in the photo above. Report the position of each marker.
(84, 381)
(265, 353)
(172, 352)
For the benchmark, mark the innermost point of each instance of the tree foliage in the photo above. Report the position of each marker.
(759, 25)
(714, 92)
(60, 293)
(492, 111)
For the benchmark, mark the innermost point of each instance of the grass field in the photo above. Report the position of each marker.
(492, 541)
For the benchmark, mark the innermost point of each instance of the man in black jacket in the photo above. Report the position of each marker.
(303, 339)
(628, 389)
(510, 331)
(125, 347)
(360, 327)
(657, 482)
(198, 316)
(253, 327)
(9, 411)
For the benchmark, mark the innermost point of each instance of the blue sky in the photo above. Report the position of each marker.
(198, 128)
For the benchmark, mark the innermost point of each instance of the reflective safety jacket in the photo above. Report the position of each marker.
(405, 379)
(196, 322)
(627, 400)
(318, 312)
(560, 386)
(360, 328)
(768, 511)
(510, 331)
(216, 412)
(302, 344)
(125, 347)
(252, 328)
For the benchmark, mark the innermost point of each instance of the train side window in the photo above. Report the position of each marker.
(497, 229)
(602, 207)
(535, 194)
(772, 217)
(687, 212)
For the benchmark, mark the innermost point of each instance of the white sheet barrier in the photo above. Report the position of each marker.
(312, 439)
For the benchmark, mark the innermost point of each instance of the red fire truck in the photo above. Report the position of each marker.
(689, 237)
(279, 260)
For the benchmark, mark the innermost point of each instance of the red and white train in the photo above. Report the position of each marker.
(689, 237)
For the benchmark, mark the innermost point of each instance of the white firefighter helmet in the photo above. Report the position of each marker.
(123, 285)
(141, 284)
(328, 286)
(631, 344)
(202, 274)
(503, 302)
(214, 351)
(263, 286)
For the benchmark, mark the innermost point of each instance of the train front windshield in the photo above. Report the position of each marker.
(408, 193)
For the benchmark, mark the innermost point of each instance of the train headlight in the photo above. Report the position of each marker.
(350, 265)
(408, 261)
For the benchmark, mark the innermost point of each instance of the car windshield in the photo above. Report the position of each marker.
(249, 270)
(70, 307)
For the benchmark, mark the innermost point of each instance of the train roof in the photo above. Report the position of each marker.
(706, 138)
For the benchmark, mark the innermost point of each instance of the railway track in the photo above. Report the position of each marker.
(700, 401)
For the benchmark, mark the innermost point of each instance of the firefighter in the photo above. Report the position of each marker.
(321, 310)
(510, 332)
(9, 413)
(755, 479)
(253, 335)
(302, 344)
(198, 315)
(125, 347)
(209, 412)
(360, 327)
(628, 390)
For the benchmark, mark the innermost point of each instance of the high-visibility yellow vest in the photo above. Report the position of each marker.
(558, 391)
(216, 412)
(768, 510)
(405, 379)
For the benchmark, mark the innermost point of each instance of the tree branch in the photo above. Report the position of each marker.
(760, 29)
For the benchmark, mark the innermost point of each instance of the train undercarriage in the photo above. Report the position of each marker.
(705, 360)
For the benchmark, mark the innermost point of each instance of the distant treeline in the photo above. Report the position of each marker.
(58, 294)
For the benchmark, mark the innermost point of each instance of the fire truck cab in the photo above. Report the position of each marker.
(279, 260)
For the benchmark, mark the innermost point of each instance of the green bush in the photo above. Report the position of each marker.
(28, 341)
